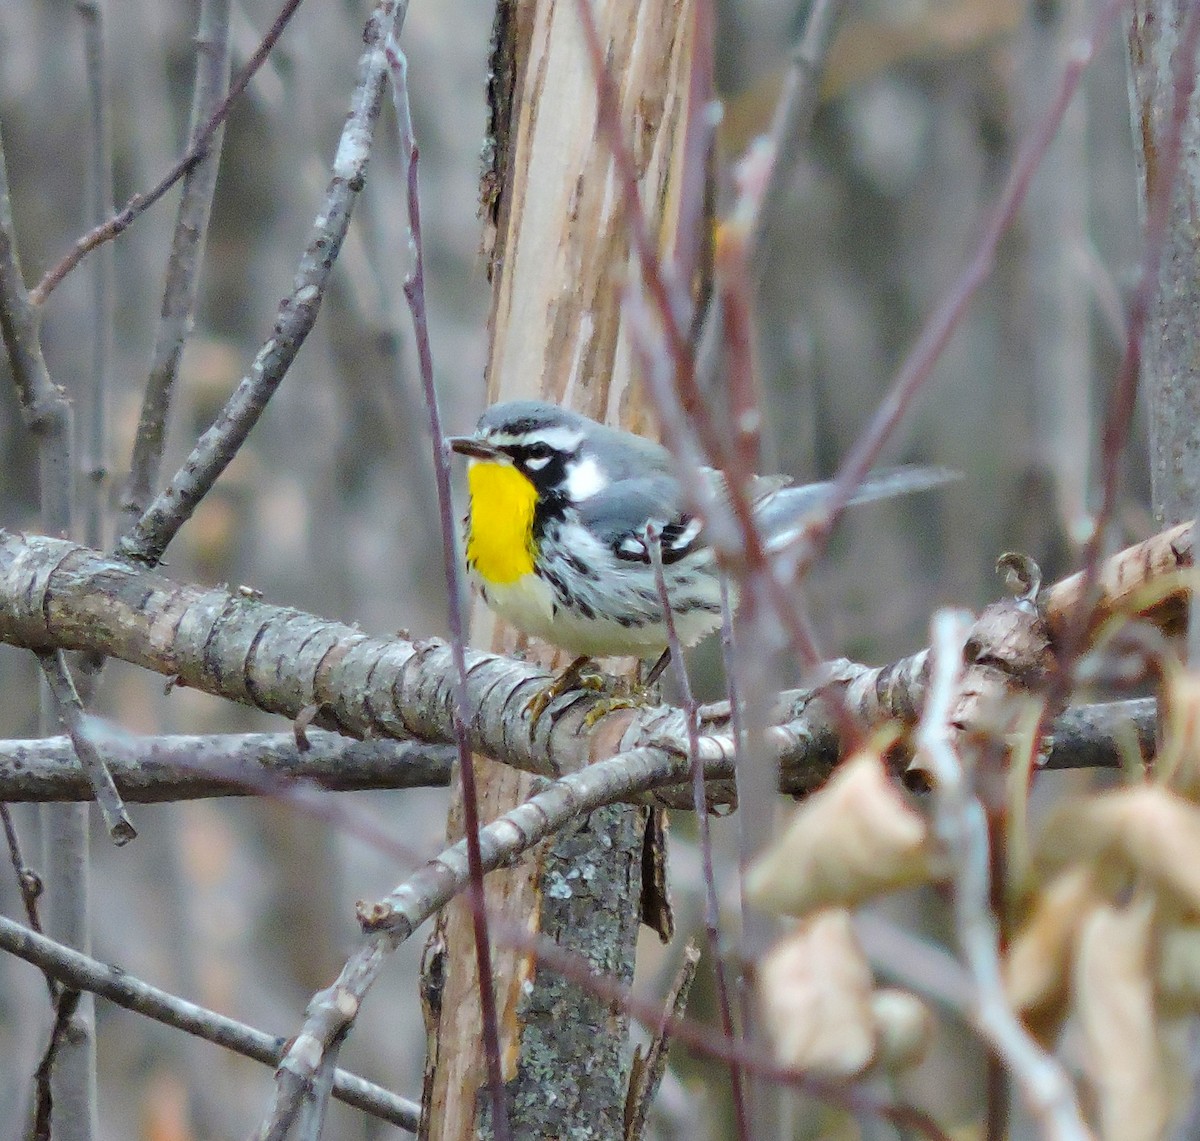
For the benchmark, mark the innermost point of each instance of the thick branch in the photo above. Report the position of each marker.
(151, 770)
(55, 594)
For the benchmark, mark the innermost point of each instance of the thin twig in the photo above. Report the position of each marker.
(93, 422)
(712, 906)
(918, 367)
(66, 1003)
(392, 920)
(82, 972)
(140, 203)
(790, 126)
(414, 293)
(960, 826)
(187, 247)
(64, 828)
(44, 406)
(647, 1071)
(116, 819)
(703, 1042)
(29, 883)
(147, 540)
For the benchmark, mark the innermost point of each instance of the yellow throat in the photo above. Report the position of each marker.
(500, 536)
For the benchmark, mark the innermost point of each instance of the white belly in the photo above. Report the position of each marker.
(531, 605)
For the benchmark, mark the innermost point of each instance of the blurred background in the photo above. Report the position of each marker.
(246, 907)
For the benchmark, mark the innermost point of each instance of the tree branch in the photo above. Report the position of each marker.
(154, 770)
(57, 595)
(148, 538)
(81, 972)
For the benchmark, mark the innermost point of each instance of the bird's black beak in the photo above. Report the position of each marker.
(473, 447)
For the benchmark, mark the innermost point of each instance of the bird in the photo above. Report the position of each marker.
(556, 532)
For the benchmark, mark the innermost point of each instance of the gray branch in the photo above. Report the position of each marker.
(393, 919)
(57, 595)
(152, 770)
(149, 537)
(82, 972)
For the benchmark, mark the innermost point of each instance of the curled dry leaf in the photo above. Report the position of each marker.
(814, 989)
(1147, 829)
(1179, 969)
(1037, 969)
(1114, 1002)
(903, 1027)
(852, 840)
(1178, 760)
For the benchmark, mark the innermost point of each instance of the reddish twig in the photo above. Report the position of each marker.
(706, 1044)
(712, 906)
(414, 293)
(919, 365)
(140, 203)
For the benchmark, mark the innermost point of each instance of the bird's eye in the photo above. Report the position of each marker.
(538, 451)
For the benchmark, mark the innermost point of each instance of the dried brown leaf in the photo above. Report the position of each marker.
(1179, 969)
(1114, 1002)
(1037, 969)
(903, 1027)
(1147, 829)
(814, 989)
(852, 840)
(1178, 761)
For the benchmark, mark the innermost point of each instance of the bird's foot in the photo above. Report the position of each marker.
(638, 692)
(577, 675)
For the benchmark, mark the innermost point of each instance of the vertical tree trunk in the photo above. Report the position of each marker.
(558, 254)
(1171, 346)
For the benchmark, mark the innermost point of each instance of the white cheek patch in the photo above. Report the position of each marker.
(584, 479)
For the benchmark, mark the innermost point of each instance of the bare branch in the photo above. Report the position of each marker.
(140, 203)
(152, 770)
(648, 1070)
(789, 128)
(414, 293)
(919, 364)
(187, 247)
(116, 820)
(960, 825)
(43, 404)
(82, 972)
(712, 906)
(92, 422)
(54, 594)
(148, 538)
(392, 920)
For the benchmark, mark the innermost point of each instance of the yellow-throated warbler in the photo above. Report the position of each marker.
(556, 530)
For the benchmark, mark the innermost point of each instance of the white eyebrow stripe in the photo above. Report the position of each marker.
(561, 439)
(585, 479)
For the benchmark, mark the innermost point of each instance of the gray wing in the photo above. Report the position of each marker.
(618, 515)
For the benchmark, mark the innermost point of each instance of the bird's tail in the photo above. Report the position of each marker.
(783, 514)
